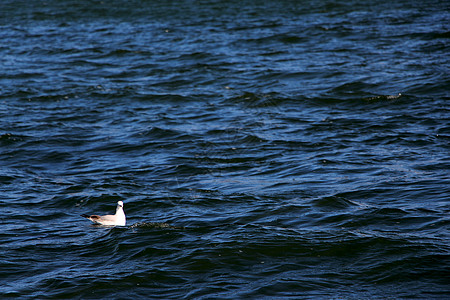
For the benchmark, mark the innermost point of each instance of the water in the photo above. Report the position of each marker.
(263, 149)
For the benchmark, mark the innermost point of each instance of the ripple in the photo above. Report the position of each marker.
(261, 152)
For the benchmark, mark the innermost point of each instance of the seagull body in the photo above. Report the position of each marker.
(118, 219)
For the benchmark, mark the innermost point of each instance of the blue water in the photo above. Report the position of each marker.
(262, 149)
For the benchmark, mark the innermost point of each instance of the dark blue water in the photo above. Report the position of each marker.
(263, 149)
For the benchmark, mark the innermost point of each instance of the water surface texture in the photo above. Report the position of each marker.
(262, 149)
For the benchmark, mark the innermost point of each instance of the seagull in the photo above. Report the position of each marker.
(118, 219)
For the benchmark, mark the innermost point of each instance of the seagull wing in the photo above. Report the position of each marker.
(101, 220)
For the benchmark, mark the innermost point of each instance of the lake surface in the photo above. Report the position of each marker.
(262, 149)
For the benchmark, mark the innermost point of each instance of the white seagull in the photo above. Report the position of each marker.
(118, 219)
